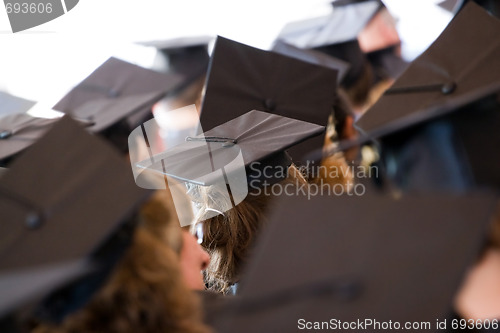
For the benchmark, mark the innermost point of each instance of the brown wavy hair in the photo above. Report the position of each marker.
(229, 237)
(145, 293)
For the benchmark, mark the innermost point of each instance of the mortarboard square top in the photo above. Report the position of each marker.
(10, 104)
(242, 78)
(440, 81)
(380, 259)
(342, 25)
(313, 57)
(439, 122)
(19, 131)
(186, 56)
(117, 90)
(181, 43)
(255, 137)
(336, 35)
(55, 215)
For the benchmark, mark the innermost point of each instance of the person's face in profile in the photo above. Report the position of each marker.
(193, 260)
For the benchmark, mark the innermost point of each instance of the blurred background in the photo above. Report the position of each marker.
(43, 63)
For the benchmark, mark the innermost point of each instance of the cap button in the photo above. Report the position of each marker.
(228, 144)
(448, 88)
(33, 221)
(112, 93)
(5, 134)
(349, 290)
(269, 104)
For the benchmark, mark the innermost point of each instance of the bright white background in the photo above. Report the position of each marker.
(43, 63)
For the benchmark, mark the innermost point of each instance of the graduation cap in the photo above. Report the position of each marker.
(242, 78)
(117, 97)
(63, 207)
(186, 56)
(243, 147)
(343, 24)
(342, 3)
(376, 259)
(336, 34)
(211, 304)
(10, 104)
(439, 121)
(18, 132)
(313, 57)
(492, 6)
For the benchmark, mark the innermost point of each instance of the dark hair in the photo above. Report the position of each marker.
(358, 91)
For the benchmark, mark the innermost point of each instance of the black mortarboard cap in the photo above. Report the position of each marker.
(18, 132)
(249, 142)
(211, 304)
(10, 104)
(313, 57)
(242, 78)
(186, 56)
(359, 258)
(492, 6)
(343, 24)
(336, 35)
(342, 3)
(62, 200)
(118, 94)
(439, 120)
